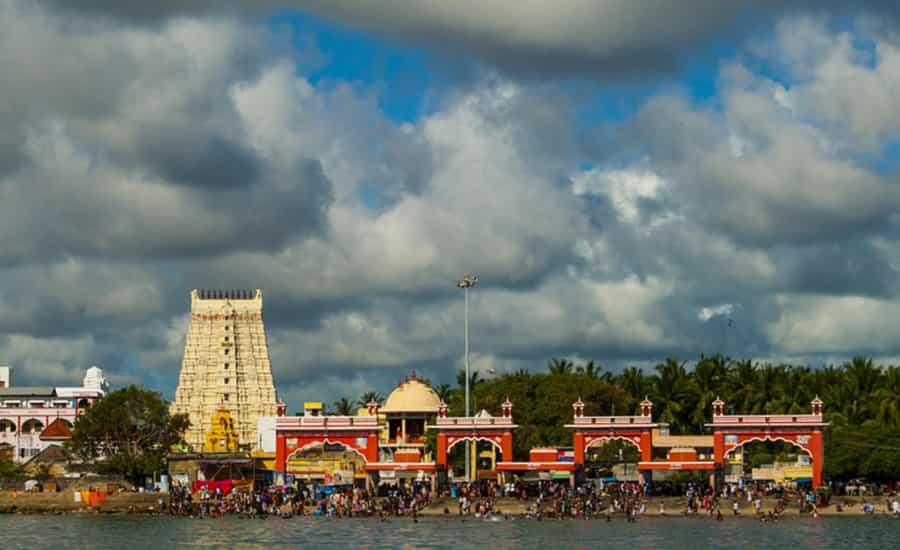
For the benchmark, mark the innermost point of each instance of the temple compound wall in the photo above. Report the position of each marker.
(226, 365)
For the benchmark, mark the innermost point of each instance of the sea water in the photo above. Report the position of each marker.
(140, 532)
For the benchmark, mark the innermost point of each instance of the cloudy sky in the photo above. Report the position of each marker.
(624, 176)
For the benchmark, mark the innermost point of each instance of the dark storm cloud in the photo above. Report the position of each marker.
(574, 37)
(847, 268)
(205, 160)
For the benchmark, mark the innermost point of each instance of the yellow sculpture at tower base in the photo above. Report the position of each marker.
(221, 437)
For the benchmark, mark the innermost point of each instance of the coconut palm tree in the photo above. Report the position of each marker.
(709, 377)
(443, 391)
(368, 397)
(887, 398)
(560, 366)
(343, 407)
(672, 387)
(633, 381)
(473, 379)
(589, 370)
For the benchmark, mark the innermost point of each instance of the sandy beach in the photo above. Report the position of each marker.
(142, 503)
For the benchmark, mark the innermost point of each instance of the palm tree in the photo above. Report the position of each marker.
(443, 391)
(708, 376)
(633, 381)
(368, 397)
(741, 385)
(560, 366)
(473, 379)
(862, 375)
(589, 370)
(671, 392)
(888, 399)
(344, 407)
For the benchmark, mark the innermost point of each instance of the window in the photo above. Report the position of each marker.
(226, 380)
(32, 427)
(225, 397)
(226, 351)
(28, 453)
(226, 366)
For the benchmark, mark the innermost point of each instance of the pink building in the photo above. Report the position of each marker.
(27, 412)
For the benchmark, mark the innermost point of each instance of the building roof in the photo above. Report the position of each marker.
(25, 391)
(53, 453)
(58, 429)
(412, 395)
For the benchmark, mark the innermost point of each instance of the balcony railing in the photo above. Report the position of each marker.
(763, 419)
(465, 421)
(612, 420)
(326, 422)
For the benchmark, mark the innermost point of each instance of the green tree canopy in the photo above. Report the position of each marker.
(7, 466)
(343, 407)
(127, 432)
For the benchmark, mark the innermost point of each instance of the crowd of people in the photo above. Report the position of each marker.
(348, 501)
(544, 499)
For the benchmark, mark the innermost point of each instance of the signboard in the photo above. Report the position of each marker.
(334, 447)
(362, 442)
(803, 439)
(731, 439)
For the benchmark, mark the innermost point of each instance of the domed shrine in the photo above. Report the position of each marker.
(406, 412)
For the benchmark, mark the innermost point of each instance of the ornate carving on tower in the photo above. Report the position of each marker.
(226, 364)
(221, 437)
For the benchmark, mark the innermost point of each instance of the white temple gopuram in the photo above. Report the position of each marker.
(226, 364)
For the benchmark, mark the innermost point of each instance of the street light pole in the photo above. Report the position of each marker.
(467, 282)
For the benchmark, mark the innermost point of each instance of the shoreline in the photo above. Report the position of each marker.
(147, 504)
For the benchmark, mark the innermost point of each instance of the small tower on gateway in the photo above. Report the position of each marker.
(226, 365)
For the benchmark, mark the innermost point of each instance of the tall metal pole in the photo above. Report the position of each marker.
(467, 282)
(468, 443)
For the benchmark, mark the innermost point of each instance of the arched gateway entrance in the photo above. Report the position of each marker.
(589, 431)
(357, 434)
(731, 431)
(455, 429)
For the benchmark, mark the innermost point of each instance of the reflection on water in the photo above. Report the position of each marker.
(136, 533)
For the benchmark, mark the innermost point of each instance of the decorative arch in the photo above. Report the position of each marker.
(769, 437)
(477, 438)
(322, 443)
(7, 426)
(32, 426)
(591, 442)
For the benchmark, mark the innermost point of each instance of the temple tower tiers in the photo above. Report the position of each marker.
(226, 364)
